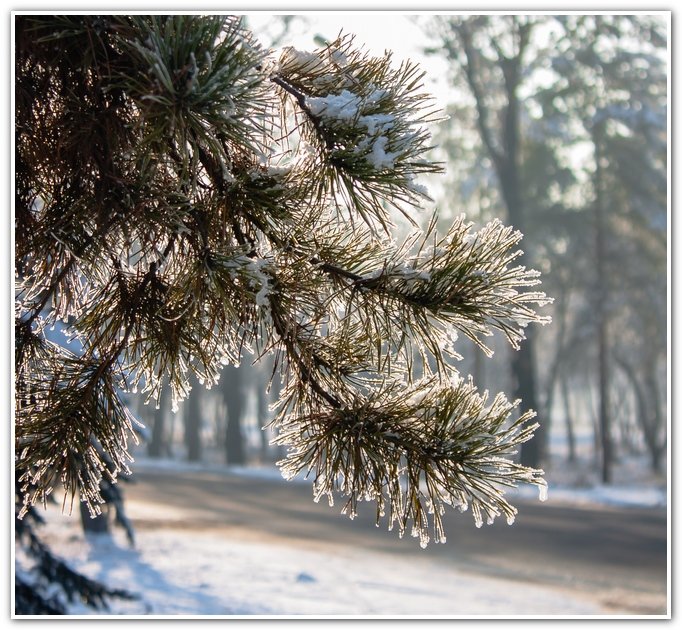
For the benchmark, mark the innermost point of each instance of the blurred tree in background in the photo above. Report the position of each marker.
(572, 110)
(489, 55)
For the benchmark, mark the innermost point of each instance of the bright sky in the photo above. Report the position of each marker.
(376, 31)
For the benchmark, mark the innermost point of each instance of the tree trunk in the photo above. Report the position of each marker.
(594, 421)
(523, 360)
(233, 395)
(262, 411)
(523, 369)
(648, 414)
(505, 155)
(656, 445)
(552, 380)
(97, 525)
(192, 418)
(570, 433)
(601, 299)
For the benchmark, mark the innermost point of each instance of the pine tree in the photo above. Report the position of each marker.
(185, 197)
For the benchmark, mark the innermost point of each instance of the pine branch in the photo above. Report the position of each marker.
(306, 373)
(367, 126)
(208, 226)
(302, 103)
(412, 452)
(72, 406)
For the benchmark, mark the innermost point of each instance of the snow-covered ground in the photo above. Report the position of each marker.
(185, 573)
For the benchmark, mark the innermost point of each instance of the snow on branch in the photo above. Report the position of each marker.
(366, 121)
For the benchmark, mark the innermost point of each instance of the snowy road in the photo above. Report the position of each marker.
(614, 557)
